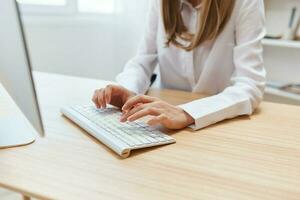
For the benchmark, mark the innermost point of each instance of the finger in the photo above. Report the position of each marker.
(137, 99)
(135, 109)
(157, 120)
(94, 99)
(99, 98)
(108, 93)
(143, 113)
(103, 99)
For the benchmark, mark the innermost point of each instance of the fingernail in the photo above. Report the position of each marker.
(122, 118)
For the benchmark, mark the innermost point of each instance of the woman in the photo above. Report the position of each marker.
(208, 46)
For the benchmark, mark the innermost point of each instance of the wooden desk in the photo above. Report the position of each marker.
(255, 157)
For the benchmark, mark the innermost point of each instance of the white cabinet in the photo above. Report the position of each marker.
(282, 57)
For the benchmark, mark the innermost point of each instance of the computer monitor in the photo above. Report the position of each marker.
(16, 77)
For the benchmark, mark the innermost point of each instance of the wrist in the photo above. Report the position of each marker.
(188, 118)
(127, 95)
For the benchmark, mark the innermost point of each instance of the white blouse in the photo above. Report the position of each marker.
(229, 69)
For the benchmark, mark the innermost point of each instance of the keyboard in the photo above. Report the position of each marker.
(105, 125)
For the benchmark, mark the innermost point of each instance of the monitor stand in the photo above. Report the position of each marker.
(15, 131)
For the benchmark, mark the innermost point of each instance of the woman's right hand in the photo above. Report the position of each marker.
(112, 94)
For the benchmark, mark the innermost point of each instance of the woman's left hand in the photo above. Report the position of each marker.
(170, 116)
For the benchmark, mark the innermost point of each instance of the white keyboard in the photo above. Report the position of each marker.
(105, 125)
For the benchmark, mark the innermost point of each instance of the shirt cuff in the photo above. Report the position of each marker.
(213, 109)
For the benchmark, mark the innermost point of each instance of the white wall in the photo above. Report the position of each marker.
(91, 45)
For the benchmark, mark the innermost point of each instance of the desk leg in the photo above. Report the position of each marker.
(26, 197)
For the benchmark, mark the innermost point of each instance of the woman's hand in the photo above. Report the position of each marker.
(170, 116)
(111, 94)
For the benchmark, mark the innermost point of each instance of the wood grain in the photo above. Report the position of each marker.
(256, 157)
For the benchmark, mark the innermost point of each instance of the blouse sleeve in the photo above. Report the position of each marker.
(248, 80)
(138, 71)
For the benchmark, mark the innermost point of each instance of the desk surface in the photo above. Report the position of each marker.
(255, 157)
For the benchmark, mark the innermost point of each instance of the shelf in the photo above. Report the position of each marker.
(283, 94)
(281, 43)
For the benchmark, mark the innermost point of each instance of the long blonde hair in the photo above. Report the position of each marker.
(214, 16)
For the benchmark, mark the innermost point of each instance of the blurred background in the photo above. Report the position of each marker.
(92, 38)
(95, 38)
